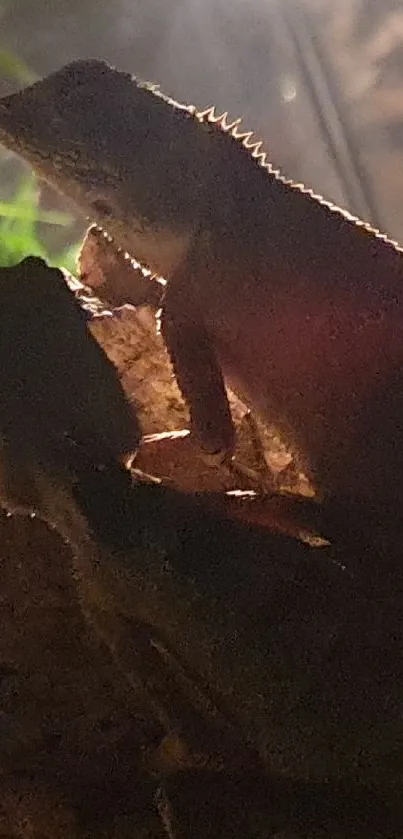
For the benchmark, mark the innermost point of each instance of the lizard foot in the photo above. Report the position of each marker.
(250, 461)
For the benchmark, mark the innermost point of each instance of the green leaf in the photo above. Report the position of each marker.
(29, 212)
(18, 227)
(13, 67)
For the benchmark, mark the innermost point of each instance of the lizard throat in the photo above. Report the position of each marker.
(159, 249)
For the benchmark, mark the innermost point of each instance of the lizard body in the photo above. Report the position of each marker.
(297, 302)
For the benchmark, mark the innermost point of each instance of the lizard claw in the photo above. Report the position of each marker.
(217, 458)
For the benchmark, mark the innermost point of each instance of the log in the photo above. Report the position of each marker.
(236, 658)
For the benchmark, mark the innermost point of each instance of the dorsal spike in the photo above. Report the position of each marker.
(246, 139)
(224, 121)
(256, 149)
(220, 118)
(208, 115)
(234, 125)
(201, 116)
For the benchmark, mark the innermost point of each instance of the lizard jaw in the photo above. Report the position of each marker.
(161, 250)
(158, 248)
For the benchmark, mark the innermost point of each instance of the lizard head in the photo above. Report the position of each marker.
(113, 146)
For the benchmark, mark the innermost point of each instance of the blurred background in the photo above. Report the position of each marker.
(320, 81)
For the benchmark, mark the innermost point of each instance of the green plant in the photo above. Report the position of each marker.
(13, 67)
(21, 216)
(19, 220)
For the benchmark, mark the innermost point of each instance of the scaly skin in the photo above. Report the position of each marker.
(299, 304)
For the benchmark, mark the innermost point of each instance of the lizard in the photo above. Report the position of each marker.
(293, 301)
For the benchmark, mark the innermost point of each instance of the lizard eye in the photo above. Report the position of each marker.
(102, 207)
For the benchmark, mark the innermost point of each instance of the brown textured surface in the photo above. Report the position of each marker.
(71, 738)
(130, 340)
(64, 715)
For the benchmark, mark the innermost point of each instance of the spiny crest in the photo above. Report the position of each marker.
(247, 139)
(155, 89)
(255, 148)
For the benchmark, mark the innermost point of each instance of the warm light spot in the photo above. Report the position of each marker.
(288, 90)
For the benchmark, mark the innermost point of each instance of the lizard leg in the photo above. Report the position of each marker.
(199, 376)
